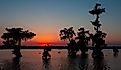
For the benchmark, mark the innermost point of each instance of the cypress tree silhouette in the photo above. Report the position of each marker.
(68, 34)
(14, 36)
(98, 37)
(83, 39)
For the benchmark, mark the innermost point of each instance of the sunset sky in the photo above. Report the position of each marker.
(47, 17)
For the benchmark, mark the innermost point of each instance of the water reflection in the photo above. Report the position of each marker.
(100, 64)
(79, 62)
(46, 64)
(16, 63)
(60, 62)
(12, 65)
(115, 52)
(82, 62)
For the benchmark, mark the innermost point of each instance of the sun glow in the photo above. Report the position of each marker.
(45, 40)
(44, 44)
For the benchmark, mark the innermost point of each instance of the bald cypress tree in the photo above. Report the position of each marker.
(14, 36)
(98, 37)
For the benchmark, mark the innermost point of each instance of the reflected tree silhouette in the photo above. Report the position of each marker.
(100, 64)
(16, 63)
(46, 64)
(73, 63)
(79, 62)
(14, 36)
(84, 64)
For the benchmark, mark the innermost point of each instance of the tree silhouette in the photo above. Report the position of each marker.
(14, 36)
(98, 37)
(83, 39)
(67, 34)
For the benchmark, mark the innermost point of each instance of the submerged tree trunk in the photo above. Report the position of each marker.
(19, 45)
(17, 49)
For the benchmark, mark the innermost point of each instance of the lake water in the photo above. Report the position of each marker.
(32, 60)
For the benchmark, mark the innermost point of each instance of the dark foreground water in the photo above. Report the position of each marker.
(32, 60)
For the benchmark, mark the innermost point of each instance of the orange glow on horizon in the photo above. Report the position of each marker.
(45, 40)
(44, 44)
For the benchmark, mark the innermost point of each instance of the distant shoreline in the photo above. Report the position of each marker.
(54, 47)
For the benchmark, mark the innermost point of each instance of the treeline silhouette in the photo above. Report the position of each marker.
(79, 41)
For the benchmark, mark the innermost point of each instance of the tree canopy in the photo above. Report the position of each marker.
(67, 34)
(14, 36)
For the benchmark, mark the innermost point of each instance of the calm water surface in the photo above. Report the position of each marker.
(32, 60)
